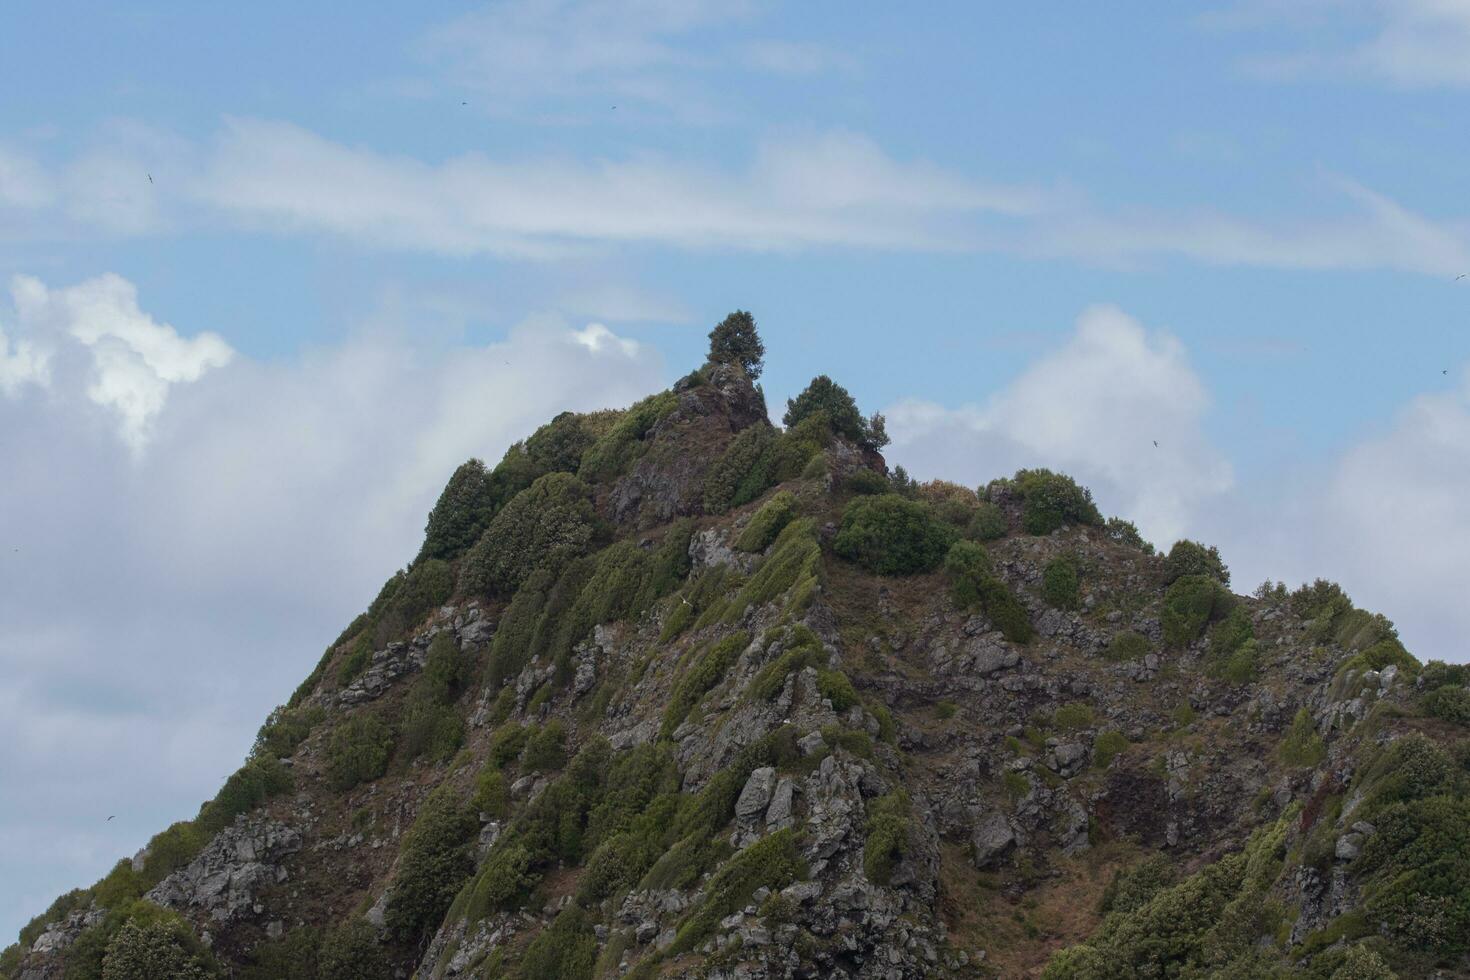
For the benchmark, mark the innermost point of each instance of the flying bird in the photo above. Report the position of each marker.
(1461, 276)
(1156, 444)
(150, 178)
(109, 818)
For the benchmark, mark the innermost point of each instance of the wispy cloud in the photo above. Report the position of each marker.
(1404, 43)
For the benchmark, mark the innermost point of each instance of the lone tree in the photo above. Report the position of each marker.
(827, 396)
(734, 341)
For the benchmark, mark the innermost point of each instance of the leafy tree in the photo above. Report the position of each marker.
(734, 341)
(165, 947)
(1053, 500)
(548, 524)
(461, 513)
(433, 863)
(827, 396)
(892, 536)
(351, 952)
(1059, 583)
(358, 751)
(1193, 558)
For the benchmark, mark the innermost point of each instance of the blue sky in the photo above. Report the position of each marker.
(377, 241)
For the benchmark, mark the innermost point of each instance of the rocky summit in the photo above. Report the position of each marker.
(674, 692)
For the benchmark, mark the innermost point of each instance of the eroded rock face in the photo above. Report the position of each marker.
(227, 876)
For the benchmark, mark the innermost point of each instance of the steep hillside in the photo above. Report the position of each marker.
(670, 692)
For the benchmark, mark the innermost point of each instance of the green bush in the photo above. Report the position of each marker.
(1071, 717)
(988, 523)
(734, 341)
(1108, 746)
(973, 587)
(624, 442)
(430, 724)
(889, 818)
(559, 445)
(546, 525)
(460, 515)
(740, 475)
(351, 952)
(1384, 653)
(767, 522)
(892, 536)
(1133, 886)
(249, 786)
(1190, 604)
(1302, 746)
(407, 598)
(433, 862)
(292, 957)
(1059, 583)
(358, 751)
(772, 862)
(357, 659)
(831, 399)
(504, 878)
(506, 744)
(835, 687)
(707, 671)
(284, 731)
(1193, 558)
(545, 749)
(1233, 651)
(866, 483)
(566, 950)
(1449, 702)
(492, 795)
(793, 568)
(1127, 645)
(1053, 500)
(164, 947)
(1126, 533)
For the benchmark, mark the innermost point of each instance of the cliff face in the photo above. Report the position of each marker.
(671, 722)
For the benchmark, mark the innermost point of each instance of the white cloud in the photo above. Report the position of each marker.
(1093, 408)
(1404, 43)
(834, 189)
(156, 607)
(23, 365)
(135, 359)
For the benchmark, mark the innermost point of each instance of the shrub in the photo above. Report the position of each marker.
(503, 879)
(165, 947)
(432, 730)
(1108, 746)
(892, 536)
(1302, 746)
(506, 744)
(545, 749)
(772, 862)
(737, 474)
(292, 957)
(559, 445)
(826, 396)
(566, 950)
(1070, 717)
(1052, 500)
(887, 842)
(433, 863)
(1193, 558)
(1384, 653)
(835, 687)
(351, 952)
(973, 587)
(1189, 605)
(734, 341)
(1127, 645)
(356, 660)
(547, 525)
(1233, 648)
(767, 522)
(793, 569)
(1126, 533)
(358, 751)
(460, 515)
(284, 730)
(1449, 702)
(624, 441)
(708, 670)
(988, 523)
(249, 786)
(1132, 887)
(492, 795)
(1059, 583)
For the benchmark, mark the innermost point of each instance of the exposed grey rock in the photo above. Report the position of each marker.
(225, 876)
(756, 795)
(992, 838)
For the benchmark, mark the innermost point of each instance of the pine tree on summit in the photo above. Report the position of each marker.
(734, 341)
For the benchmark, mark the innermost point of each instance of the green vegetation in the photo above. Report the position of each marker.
(358, 751)
(1448, 702)
(1190, 604)
(163, 947)
(793, 569)
(1107, 747)
(546, 525)
(461, 513)
(1127, 645)
(827, 397)
(1071, 717)
(767, 522)
(1126, 533)
(566, 950)
(284, 730)
(625, 441)
(889, 817)
(1059, 583)
(974, 587)
(431, 726)
(292, 957)
(1302, 746)
(1233, 653)
(735, 341)
(1053, 500)
(889, 535)
(802, 649)
(252, 784)
(1133, 886)
(707, 671)
(433, 862)
(546, 747)
(1193, 558)
(772, 862)
(988, 523)
(351, 952)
